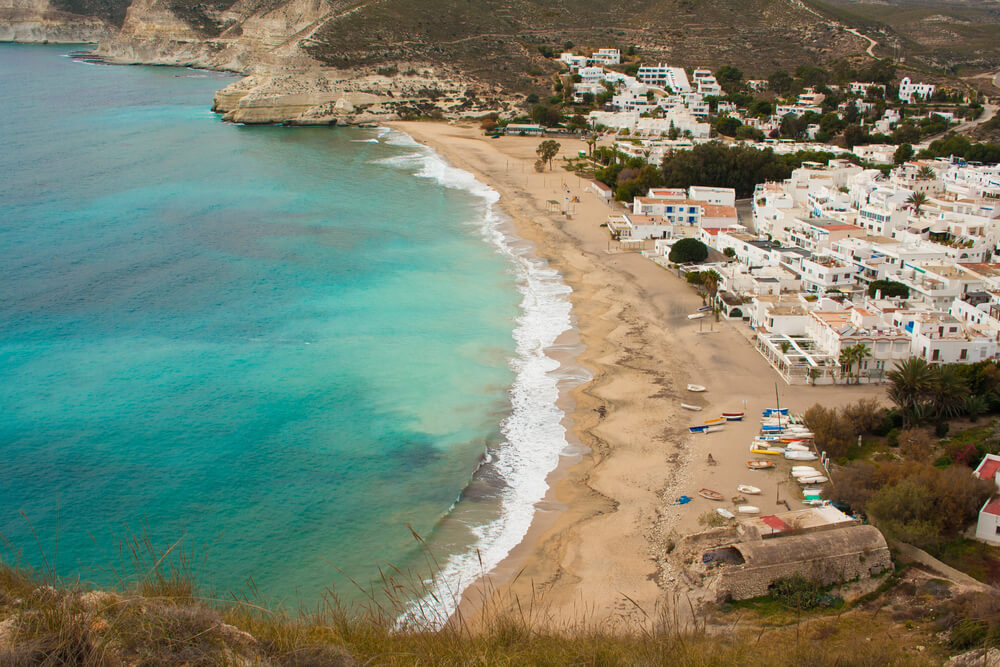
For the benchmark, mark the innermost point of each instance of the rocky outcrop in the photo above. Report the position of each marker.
(36, 21)
(325, 96)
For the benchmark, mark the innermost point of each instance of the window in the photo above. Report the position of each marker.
(998, 530)
(936, 355)
(963, 354)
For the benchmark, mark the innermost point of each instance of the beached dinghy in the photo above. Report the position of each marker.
(696, 316)
(717, 420)
(687, 406)
(749, 490)
(760, 465)
(804, 472)
(733, 416)
(724, 513)
(748, 509)
(714, 429)
(796, 447)
(696, 387)
(773, 412)
(817, 479)
(704, 309)
(710, 494)
(800, 456)
(698, 429)
(767, 452)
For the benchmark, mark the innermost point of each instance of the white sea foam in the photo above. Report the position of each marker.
(533, 434)
(364, 141)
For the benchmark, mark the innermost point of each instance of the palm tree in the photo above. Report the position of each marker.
(925, 173)
(785, 346)
(911, 381)
(814, 374)
(916, 200)
(949, 392)
(860, 352)
(846, 362)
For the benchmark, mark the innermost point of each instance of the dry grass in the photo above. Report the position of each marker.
(157, 616)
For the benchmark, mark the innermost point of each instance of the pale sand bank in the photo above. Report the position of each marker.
(599, 535)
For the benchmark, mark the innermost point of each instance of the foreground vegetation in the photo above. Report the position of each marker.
(164, 621)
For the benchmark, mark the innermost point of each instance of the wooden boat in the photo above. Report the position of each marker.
(696, 387)
(698, 429)
(800, 456)
(760, 465)
(710, 494)
(733, 416)
(717, 420)
(749, 490)
(687, 406)
(696, 316)
(748, 509)
(724, 513)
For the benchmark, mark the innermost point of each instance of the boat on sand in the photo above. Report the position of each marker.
(724, 513)
(688, 406)
(696, 387)
(710, 494)
(748, 509)
(749, 490)
(696, 316)
(760, 465)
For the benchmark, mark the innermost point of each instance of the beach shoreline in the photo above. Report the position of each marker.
(596, 549)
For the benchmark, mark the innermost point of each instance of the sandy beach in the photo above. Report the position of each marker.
(596, 551)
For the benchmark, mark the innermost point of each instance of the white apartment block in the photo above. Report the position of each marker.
(665, 76)
(825, 274)
(940, 338)
(607, 57)
(908, 90)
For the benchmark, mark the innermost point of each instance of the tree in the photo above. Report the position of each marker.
(860, 352)
(727, 125)
(916, 200)
(729, 252)
(926, 173)
(833, 433)
(814, 373)
(949, 392)
(888, 289)
(546, 115)
(729, 78)
(780, 82)
(547, 151)
(688, 250)
(903, 153)
(911, 382)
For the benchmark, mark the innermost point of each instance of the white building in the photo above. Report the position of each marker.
(665, 76)
(988, 526)
(573, 61)
(607, 57)
(908, 90)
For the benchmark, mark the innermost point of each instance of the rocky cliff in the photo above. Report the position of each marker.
(41, 21)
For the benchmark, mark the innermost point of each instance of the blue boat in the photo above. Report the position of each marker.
(698, 429)
(772, 429)
(774, 412)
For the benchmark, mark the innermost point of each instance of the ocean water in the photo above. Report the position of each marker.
(282, 346)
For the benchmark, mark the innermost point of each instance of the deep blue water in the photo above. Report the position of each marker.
(279, 344)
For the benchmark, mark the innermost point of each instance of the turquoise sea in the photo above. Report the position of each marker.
(283, 345)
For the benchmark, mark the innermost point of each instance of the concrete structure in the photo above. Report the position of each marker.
(748, 569)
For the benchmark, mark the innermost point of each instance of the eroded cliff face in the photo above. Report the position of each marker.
(35, 21)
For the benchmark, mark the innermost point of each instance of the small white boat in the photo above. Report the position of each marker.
(817, 479)
(804, 472)
(816, 502)
(812, 491)
(686, 406)
(748, 509)
(749, 490)
(714, 429)
(724, 513)
(795, 447)
(696, 387)
(800, 456)
(696, 316)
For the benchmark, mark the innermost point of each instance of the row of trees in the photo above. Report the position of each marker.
(924, 392)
